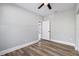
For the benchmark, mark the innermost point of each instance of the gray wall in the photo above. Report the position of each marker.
(77, 32)
(77, 27)
(62, 26)
(17, 26)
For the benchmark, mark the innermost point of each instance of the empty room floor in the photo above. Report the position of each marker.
(45, 48)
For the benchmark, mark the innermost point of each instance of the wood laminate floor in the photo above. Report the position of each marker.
(45, 48)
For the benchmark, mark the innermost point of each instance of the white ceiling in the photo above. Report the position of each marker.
(44, 11)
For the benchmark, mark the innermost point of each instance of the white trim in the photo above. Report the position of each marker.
(17, 47)
(62, 42)
(76, 48)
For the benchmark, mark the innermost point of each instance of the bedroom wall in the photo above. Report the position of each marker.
(62, 26)
(17, 26)
(77, 27)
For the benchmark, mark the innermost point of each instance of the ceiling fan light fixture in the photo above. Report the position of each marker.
(46, 4)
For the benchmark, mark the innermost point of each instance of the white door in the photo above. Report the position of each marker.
(39, 30)
(46, 30)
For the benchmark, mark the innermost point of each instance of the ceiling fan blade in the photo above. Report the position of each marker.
(40, 6)
(49, 6)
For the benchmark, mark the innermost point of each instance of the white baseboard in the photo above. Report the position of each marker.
(17, 47)
(76, 48)
(62, 42)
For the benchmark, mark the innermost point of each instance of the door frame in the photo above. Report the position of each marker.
(48, 31)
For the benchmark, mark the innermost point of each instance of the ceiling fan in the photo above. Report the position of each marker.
(47, 4)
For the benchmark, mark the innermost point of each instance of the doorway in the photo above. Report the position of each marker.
(46, 30)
